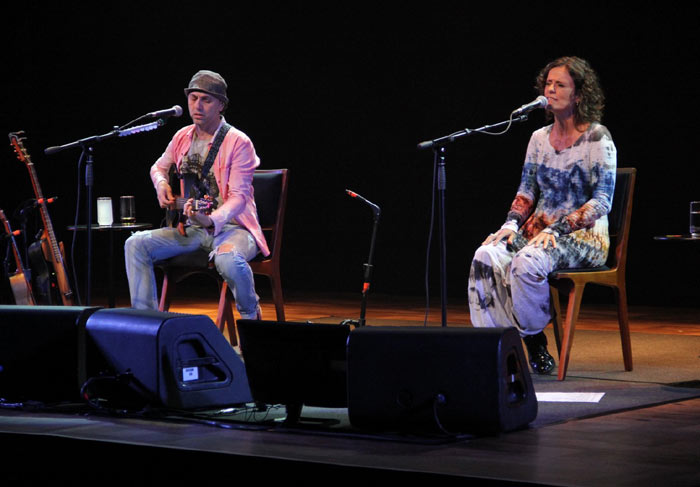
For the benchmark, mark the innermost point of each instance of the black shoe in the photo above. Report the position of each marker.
(540, 360)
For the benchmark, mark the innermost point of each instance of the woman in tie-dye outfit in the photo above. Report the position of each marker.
(558, 218)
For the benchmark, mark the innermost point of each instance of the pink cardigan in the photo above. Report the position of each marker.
(233, 169)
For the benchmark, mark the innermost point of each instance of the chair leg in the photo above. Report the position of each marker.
(277, 296)
(556, 317)
(224, 314)
(221, 310)
(572, 311)
(623, 319)
(164, 304)
(231, 321)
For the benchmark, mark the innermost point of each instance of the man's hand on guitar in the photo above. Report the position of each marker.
(165, 195)
(199, 218)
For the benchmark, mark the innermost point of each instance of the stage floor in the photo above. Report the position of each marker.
(383, 309)
(654, 445)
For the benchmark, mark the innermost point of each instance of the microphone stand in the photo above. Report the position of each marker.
(376, 211)
(439, 148)
(86, 145)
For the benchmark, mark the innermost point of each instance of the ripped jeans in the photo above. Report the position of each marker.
(231, 250)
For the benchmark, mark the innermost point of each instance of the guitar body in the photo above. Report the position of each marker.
(41, 275)
(47, 284)
(58, 276)
(19, 281)
(21, 290)
(189, 185)
(53, 250)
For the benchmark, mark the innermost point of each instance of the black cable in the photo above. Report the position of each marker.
(432, 215)
(430, 239)
(440, 400)
(75, 233)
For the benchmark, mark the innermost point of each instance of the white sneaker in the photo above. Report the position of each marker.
(253, 316)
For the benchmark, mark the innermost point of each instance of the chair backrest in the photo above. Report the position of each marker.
(270, 189)
(620, 216)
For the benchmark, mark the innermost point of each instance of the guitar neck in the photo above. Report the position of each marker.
(180, 203)
(49, 234)
(196, 204)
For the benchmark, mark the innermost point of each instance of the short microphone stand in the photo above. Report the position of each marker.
(86, 145)
(376, 211)
(439, 148)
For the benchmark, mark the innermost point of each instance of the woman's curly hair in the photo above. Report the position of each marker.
(592, 100)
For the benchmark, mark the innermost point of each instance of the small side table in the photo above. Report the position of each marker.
(118, 227)
(685, 238)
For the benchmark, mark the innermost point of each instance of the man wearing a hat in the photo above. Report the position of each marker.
(223, 159)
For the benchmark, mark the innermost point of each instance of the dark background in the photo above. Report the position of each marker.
(341, 96)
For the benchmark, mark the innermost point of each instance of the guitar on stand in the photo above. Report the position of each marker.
(53, 250)
(19, 281)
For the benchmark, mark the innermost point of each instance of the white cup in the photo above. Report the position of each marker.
(695, 218)
(104, 211)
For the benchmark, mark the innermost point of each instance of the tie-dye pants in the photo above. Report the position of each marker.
(508, 284)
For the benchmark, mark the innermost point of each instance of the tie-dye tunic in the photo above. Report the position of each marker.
(568, 193)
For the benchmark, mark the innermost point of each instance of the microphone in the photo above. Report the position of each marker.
(375, 209)
(175, 111)
(539, 102)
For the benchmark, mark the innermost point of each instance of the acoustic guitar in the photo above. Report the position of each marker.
(189, 185)
(19, 281)
(53, 250)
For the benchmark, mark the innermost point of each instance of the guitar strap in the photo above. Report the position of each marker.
(214, 150)
(190, 180)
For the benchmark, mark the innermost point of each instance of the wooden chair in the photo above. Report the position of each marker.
(573, 281)
(270, 188)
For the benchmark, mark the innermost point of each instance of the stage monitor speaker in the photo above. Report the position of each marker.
(42, 350)
(295, 363)
(175, 360)
(455, 380)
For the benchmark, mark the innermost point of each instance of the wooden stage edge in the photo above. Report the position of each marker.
(385, 309)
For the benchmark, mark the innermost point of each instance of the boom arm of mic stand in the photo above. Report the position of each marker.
(448, 139)
(147, 127)
(86, 146)
(89, 141)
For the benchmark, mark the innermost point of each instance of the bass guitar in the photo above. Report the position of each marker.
(19, 282)
(53, 250)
